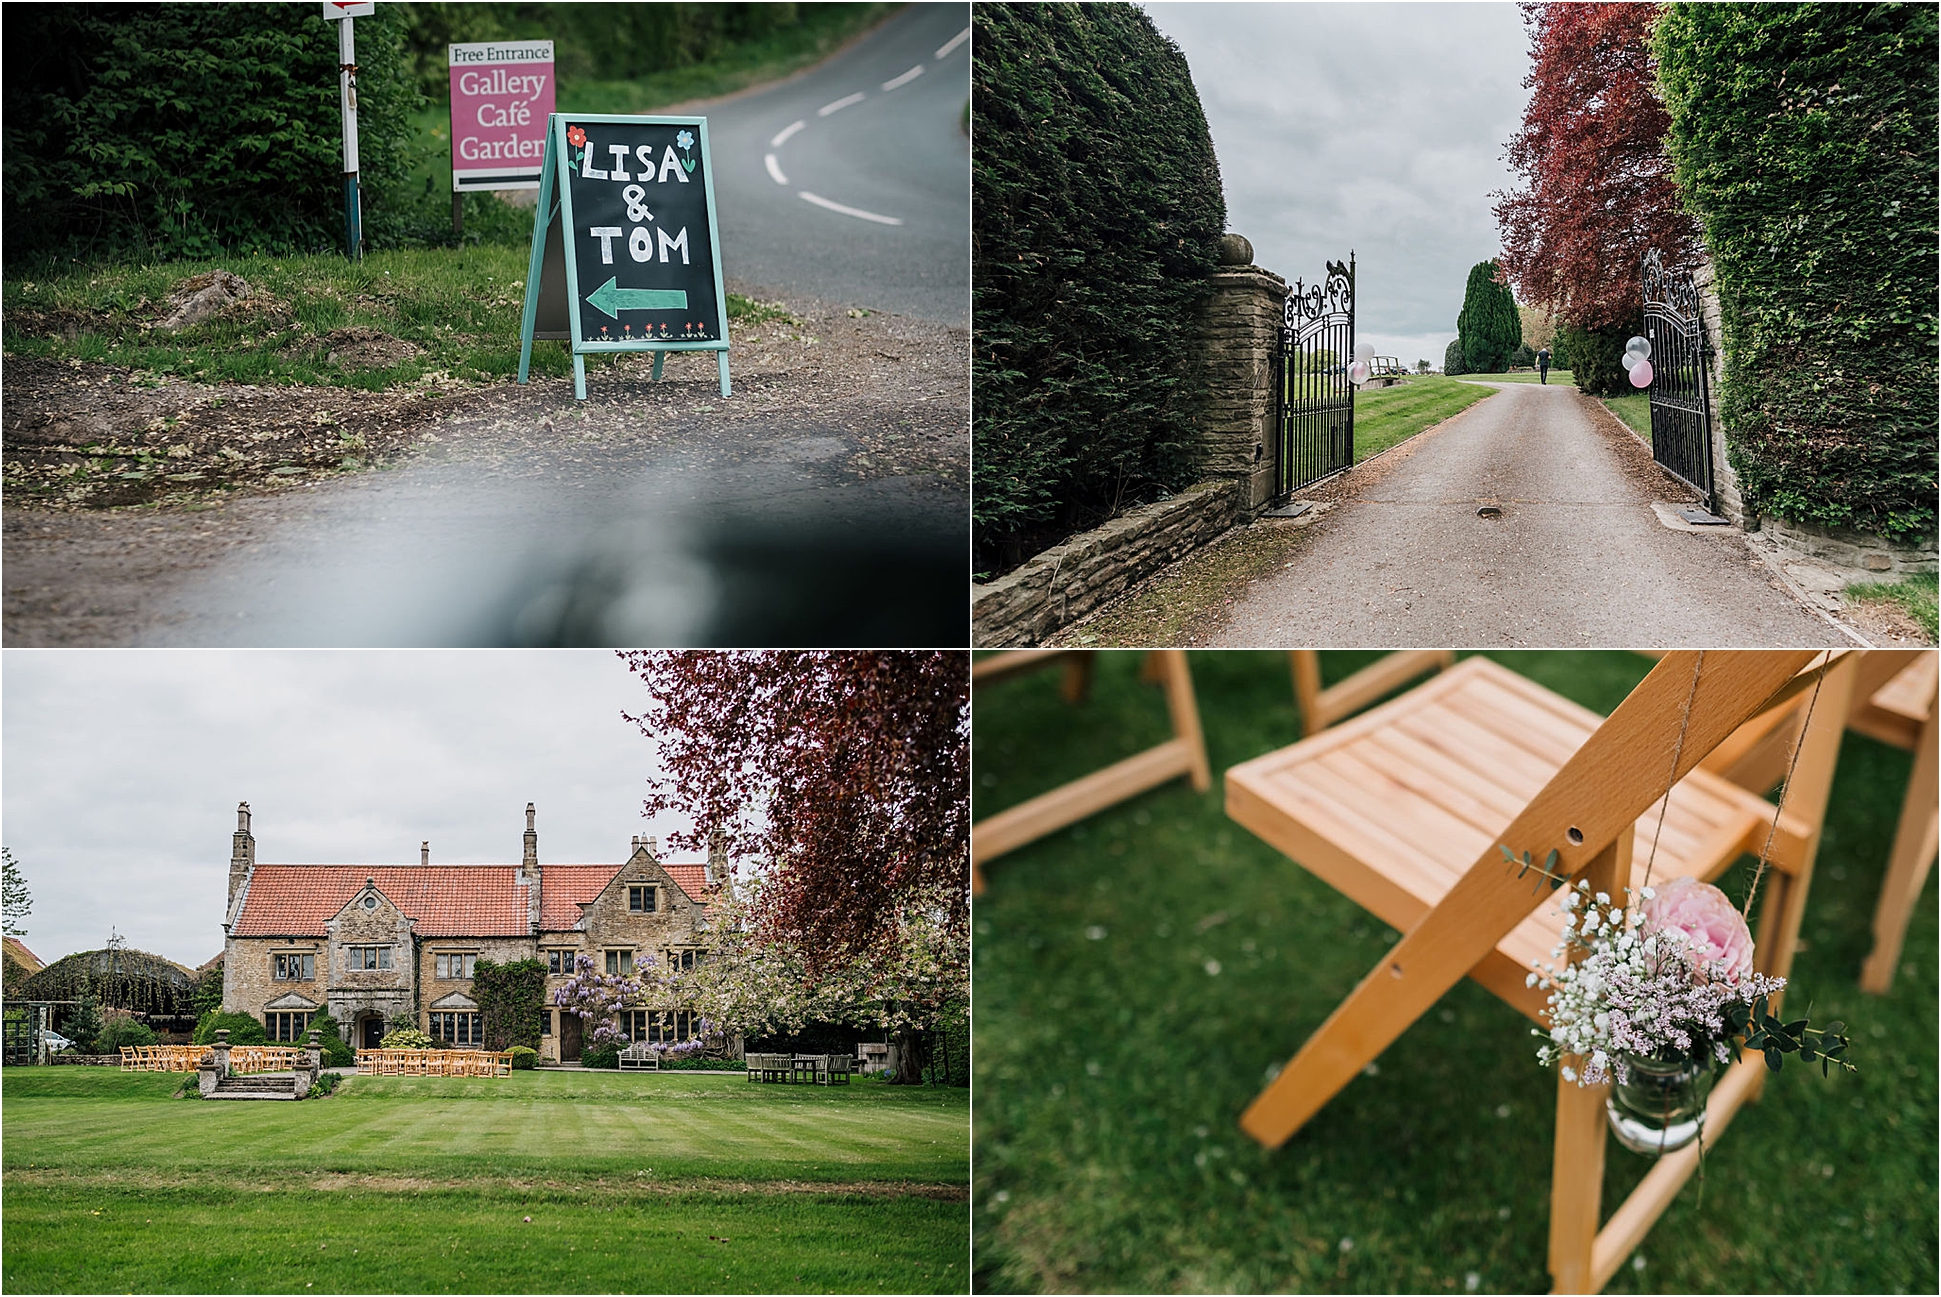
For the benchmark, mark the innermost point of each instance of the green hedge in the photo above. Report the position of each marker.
(242, 1029)
(192, 130)
(1097, 217)
(1596, 357)
(1804, 140)
(1452, 359)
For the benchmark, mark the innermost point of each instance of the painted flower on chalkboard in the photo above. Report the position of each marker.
(575, 136)
(685, 139)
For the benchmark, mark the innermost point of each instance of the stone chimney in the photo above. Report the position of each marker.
(424, 853)
(532, 842)
(242, 856)
(652, 844)
(717, 857)
(529, 868)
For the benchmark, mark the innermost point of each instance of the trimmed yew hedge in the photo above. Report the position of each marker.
(1098, 212)
(1804, 139)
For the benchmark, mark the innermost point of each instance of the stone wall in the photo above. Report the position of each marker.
(1857, 555)
(1068, 581)
(1239, 333)
(1731, 503)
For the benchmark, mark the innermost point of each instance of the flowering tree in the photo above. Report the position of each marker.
(848, 772)
(1598, 186)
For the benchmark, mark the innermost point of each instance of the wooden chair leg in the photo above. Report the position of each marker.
(1907, 866)
(1177, 678)
(1306, 666)
(1078, 677)
(1577, 1157)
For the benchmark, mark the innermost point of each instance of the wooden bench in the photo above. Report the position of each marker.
(640, 1055)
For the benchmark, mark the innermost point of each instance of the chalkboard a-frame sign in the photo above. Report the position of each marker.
(624, 251)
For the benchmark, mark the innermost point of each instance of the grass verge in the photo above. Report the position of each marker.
(391, 320)
(1141, 973)
(1915, 596)
(1635, 411)
(1387, 416)
(422, 1184)
(1520, 376)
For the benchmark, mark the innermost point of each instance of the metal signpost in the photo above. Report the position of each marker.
(625, 256)
(341, 12)
(502, 98)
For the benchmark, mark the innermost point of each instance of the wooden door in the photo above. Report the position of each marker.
(373, 1032)
(569, 1037)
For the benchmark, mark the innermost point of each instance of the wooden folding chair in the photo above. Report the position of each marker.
(1404, 808)
(1183, 754)
(1895, 703)
(1321, 708)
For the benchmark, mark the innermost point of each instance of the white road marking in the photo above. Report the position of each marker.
(774, 169)
(856, 212)
(905, 79)
(840, 104)
(783, 137)
(955, 41)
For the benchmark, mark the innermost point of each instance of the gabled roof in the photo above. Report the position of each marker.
(26, 958)
(564, 888)
(443, 900)
(692, 878)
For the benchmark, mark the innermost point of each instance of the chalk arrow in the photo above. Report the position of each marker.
(610, 299)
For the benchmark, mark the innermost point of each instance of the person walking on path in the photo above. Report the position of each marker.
(1543, 365)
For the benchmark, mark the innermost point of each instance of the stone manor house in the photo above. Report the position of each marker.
(369, 943)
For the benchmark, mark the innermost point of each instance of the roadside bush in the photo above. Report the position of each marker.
(1596, 357)
(242, 1029)
(1452, 362)
(1804, 141)
(601, 1056)
(523, 1059)
(1523, 355)
(1097, 216)
(195, 130)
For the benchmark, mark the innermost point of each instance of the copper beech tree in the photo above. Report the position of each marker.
(846, 773)
(1598, 186)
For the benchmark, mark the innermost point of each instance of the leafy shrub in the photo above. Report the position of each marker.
(523, 1059)
(1597, 357)
(1804, 141)
(324, 1084)
(1488, 325)
(408, 1038)
(604, 1056)
(122, 1030)
(1452, 363)
(242, 1029)
(195, 130)
(1523, 355)
(511, 999)
(336, 1051)
(1097, 216)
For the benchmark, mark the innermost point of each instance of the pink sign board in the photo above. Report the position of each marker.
(502, 93)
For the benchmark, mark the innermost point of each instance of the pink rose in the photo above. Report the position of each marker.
(1715, 934)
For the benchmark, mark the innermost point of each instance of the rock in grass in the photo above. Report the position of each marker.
(199, 297)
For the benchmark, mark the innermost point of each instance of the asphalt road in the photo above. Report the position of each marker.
(897, 154)
(1576, 558)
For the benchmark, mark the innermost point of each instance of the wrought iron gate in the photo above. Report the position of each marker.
(1316, 423)
(1681, 415)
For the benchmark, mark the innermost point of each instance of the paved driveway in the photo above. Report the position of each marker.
(1576, 557)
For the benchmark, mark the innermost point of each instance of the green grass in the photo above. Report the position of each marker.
(1634, 410)
(1112, 1065)
(1915, 596)
(1386, 416)
(1521, 376)
(111, 1184)
(460, 307)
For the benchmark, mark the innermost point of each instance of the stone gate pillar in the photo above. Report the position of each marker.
(1239, 334)
(1732, 504)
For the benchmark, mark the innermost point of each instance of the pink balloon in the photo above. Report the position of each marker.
(1641, 374)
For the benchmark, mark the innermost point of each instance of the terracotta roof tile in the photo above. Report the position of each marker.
(26, 958)
(444, 900)
(692, 878)
(562, 889)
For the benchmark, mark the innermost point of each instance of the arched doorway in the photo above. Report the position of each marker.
(370, 1031)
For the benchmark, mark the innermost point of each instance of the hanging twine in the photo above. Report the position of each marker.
(1745, 911)
(1677, 750)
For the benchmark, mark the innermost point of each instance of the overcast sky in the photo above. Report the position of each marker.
(123, 770)
(1373, 127)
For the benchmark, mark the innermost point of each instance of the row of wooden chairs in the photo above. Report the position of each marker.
(162, 1058)
(434, 1062)
(263, 1058)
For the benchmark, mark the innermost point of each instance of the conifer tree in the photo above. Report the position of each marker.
(1488, 326)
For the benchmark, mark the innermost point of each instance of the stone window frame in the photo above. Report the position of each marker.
(382, 954)
(275, 1020)
(618, 961)
(565, 956)
(660, 1026)
(441, 958)
(684, 959)
(465, 1023)
(308, 965)
(649, 896)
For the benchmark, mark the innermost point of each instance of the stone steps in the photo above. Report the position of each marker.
(256, 1087)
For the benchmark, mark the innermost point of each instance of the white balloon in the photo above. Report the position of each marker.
(1631, 361)
(1358, 373)
(1640, 345)
(1364, 351)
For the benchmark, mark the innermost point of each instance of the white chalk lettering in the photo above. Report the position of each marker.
(619, 152)
(645, 153)
(587, 170)
(667, 245)
(640, 244)
(606, 234)
(669, 160)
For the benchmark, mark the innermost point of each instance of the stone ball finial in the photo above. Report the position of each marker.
(1235, 250)
(222, 1035)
